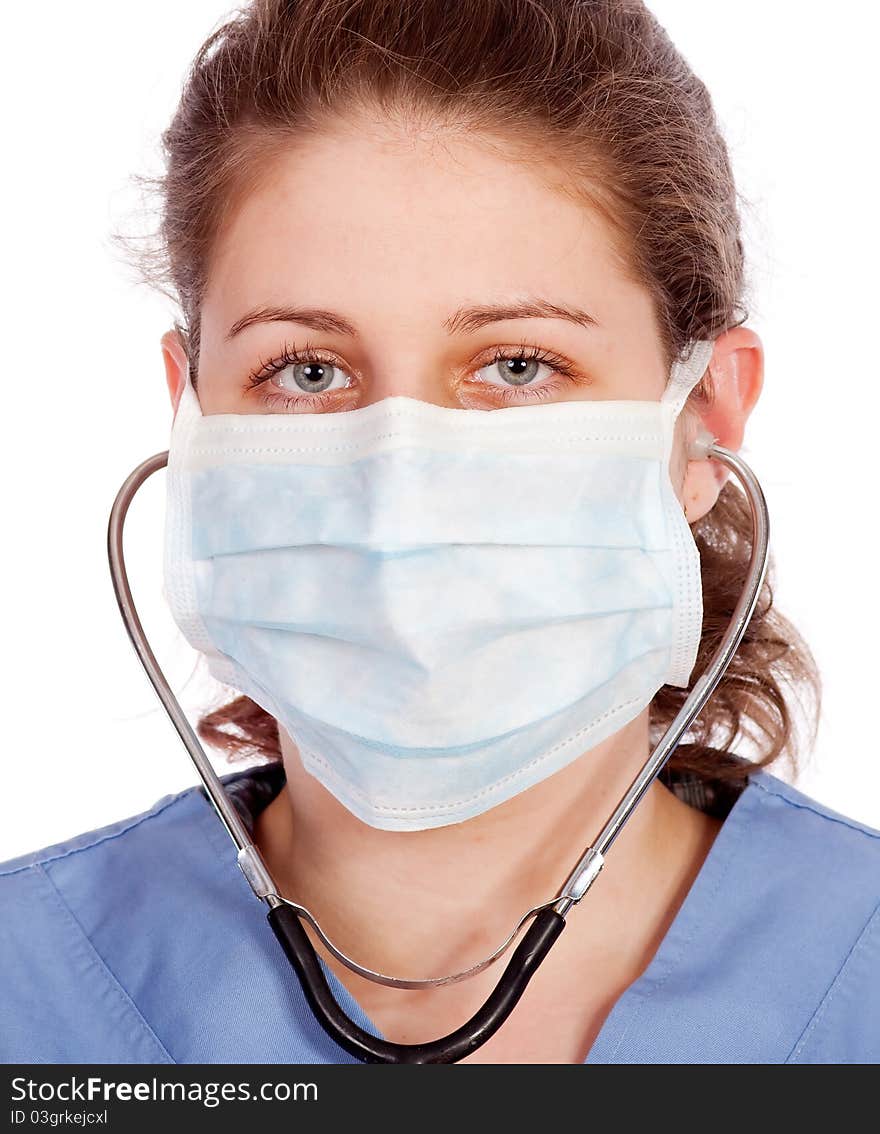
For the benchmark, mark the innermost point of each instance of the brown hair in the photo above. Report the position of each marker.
(597, 88)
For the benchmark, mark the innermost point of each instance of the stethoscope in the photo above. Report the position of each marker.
(547, 919)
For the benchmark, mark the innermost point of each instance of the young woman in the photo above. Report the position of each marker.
(422, 253)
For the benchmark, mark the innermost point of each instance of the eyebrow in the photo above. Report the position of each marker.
(464, 319)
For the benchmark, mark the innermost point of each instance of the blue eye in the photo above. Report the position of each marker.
(312, 377)
(310, 372)
(308, 380)
(514, 374)
(513, 370)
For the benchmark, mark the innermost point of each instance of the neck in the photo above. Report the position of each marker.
(426, 903)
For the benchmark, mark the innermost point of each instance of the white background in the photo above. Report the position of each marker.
(88, 90)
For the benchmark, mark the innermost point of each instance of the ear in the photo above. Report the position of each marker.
(736, 376)
(175, 358)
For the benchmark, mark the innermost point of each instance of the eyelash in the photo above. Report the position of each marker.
(290, 356)
(308, 354)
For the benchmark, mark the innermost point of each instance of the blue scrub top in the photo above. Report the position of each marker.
(141, 942)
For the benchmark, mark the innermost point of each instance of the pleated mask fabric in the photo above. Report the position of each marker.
(441, 607)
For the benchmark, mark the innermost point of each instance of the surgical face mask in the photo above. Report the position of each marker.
(442, 607)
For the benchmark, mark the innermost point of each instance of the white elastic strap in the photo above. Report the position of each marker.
(188, 408)
(686, 373)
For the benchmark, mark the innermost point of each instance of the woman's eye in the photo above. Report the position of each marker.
(306, 380)
(310, 378)
(301, 381)
(512, 370)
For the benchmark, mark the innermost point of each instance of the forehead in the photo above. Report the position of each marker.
(361, 216)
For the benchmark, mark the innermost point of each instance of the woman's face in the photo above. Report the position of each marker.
(420, 264)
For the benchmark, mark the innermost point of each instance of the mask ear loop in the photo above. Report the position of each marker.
(188, 407)
(686, 373)
(687, 612)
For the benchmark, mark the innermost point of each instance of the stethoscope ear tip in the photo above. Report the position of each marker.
(698, 450)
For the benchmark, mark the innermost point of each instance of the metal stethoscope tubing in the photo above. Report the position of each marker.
(548, 919)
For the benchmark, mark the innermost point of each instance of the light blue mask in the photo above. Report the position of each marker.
(441, 607)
